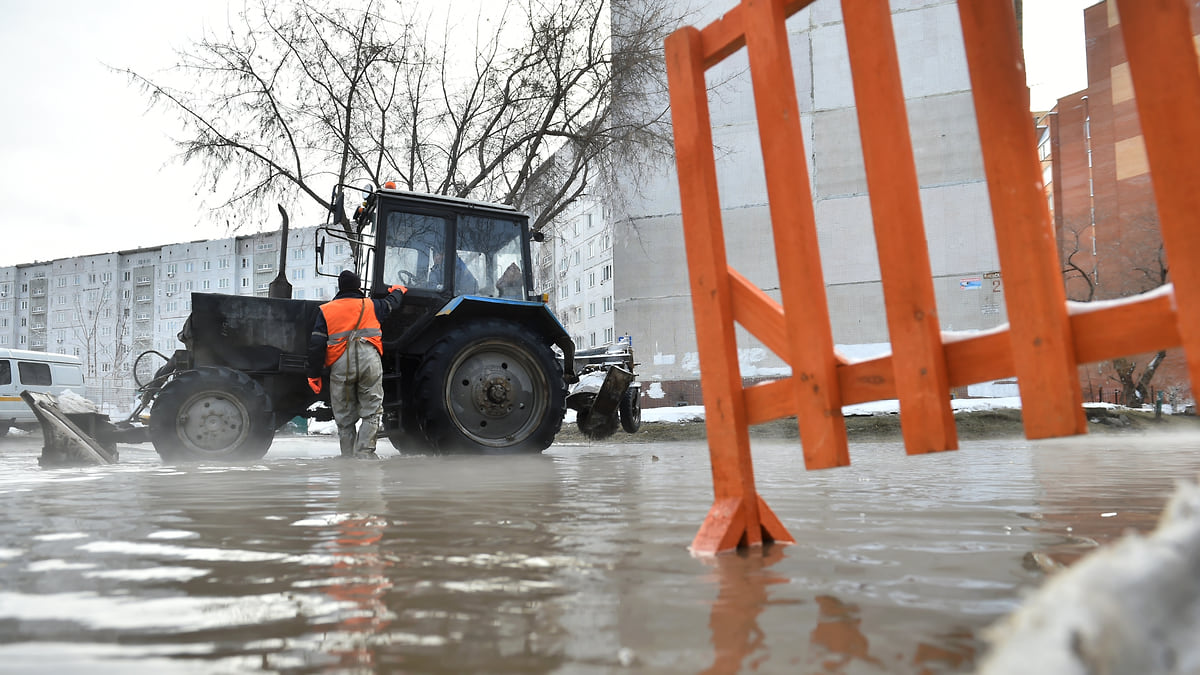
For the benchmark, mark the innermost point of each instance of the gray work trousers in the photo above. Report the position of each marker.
(356, 392)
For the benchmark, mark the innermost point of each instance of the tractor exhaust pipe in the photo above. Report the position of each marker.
(280, 287)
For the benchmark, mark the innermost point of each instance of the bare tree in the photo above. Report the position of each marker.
(1144, 273)
(299, 97)
(1072, 270)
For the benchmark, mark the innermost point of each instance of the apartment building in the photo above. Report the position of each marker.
(575, 268)
(109, 308)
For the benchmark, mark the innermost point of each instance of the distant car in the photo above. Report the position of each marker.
(22, 370)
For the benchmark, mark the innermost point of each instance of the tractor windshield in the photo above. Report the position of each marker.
(487, 259)
(490, 249)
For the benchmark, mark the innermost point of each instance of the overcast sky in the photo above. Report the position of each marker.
(84, 168)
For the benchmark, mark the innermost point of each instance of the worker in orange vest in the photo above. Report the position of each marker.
(346, 338)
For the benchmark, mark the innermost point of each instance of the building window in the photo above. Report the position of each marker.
(189, 267)
(223, 283)
(592, 339)
(206, 265)
(608, 303)
(563, 291)
(606, 273)
(245, 282)
(206, 284)
(592, 249)
(578, 285)
(608, 335)
(575, 257)
(591, 309)
(591, 279)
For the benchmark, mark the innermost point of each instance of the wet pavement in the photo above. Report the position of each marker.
(574, 561)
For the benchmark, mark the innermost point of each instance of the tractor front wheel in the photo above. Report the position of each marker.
(630, 410)
(212, 413)
(490, 386)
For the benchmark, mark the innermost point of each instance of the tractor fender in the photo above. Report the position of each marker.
(535, 315)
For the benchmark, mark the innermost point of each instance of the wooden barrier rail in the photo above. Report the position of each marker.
(1046, 338)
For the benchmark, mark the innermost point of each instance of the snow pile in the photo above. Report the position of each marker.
(1132, 607)
(326, 428)
(71, 403)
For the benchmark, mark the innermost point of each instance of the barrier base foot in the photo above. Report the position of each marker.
(729, 526)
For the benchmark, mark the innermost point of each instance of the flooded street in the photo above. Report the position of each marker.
(574, 561)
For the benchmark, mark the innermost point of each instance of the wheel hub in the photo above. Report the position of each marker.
(212, 423)
(493, 394)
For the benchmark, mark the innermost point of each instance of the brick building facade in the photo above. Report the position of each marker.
(1103, 201)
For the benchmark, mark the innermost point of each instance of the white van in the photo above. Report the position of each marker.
(35, 371)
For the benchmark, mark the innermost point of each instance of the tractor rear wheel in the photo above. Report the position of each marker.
(630, 410)
(490, 386)
(212, 413)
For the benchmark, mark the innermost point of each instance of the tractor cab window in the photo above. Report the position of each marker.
(413, 250)
(490, 250)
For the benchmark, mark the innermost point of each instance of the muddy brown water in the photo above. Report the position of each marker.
(574, 561)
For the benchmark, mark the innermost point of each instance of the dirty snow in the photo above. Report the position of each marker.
(1130, 607)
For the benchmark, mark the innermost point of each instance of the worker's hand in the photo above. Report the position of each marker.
(397, 287)
(314, 383)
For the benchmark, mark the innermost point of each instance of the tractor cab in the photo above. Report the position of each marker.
(443, 246)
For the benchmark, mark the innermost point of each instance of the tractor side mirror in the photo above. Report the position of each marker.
(320, 251)
(538, 236)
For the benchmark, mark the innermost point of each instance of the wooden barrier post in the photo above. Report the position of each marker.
(1166, 83)
(818, 403)
(918, 361)
(1047, 372)
(738, 516)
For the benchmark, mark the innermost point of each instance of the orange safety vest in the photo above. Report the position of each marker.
(350, 319)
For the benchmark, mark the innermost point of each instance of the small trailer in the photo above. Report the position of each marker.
(607, 394)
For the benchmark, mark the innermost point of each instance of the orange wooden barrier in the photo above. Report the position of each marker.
(1045, 341)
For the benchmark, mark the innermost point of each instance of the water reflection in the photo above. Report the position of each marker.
(838, 635)
(743, 580)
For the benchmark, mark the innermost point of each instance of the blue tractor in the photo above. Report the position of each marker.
(470, 361)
